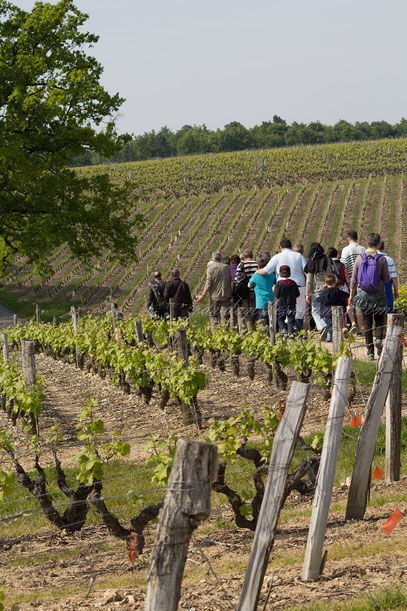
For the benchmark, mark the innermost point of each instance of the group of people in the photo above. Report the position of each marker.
(363, 280)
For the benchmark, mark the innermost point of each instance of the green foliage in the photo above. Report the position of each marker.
(161, 456)
(2, 599)
(53, 107)
(401, 301)
(15, 393)
(232, 433)
(95, 453)
(7, 480)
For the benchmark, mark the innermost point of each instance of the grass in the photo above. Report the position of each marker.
(384, 600)
(365, 373)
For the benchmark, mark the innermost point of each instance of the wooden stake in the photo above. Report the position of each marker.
(4, 343)
(283, 449)
(15, 319)
(359, 487)
(28, 361)
(272, 312)
(139, 331)
(171, 310)
(182, 344)
(113, 310)
(329, 457)
(186, 504)
(37, 313)
(337, 324)
(54, 321)
(393, 418)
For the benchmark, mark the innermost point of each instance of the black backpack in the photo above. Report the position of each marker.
(240, 289)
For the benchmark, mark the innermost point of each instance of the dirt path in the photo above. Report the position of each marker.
(361, 560)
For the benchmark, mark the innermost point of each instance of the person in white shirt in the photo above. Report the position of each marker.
(392, 287)
(348, 257)
(296, 262)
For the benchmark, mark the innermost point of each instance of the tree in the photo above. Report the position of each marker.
(53, 108)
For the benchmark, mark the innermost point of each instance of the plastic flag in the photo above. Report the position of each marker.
(377, 473)
(392, 522)
(356, 421)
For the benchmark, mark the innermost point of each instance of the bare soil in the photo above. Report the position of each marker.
(56, 571)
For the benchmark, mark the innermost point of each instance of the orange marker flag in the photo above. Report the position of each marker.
(377, 473)
(356, 421)
(402, 339)
(392, 522)
(132, 546)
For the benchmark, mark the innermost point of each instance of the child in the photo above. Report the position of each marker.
(286, 292)
(263, 291)
(331, 295)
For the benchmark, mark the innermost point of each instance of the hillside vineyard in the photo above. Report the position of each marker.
(183, 232)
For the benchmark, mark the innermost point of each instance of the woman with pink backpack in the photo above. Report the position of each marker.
(369, 276)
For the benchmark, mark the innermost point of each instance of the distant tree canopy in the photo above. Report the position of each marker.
(53, 108)
(236, 137)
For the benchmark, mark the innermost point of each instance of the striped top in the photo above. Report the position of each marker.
(248, 267)
(390, 262)
(349, 254)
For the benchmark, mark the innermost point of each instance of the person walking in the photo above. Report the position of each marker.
(287, 293)
(242, 296)
(370, 273)
(391, 288)
(331, 295)
(296, 262)
(348, 257)
(341, 272)
(263, 291)
(156, 304)
(318, 265)
(179, 291)
(219, 287)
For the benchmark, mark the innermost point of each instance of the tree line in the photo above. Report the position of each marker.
(196, 139)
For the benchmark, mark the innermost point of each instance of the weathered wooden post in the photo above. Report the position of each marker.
(4, 343)
(190, 412)
(28, 361)
(283, 448)
(139, 331)
(171, 309)
(393, 416)
(182, 344)
(329, 457)
(272, 312)
(15, 319)
(337, 325)
(75, 332)
(113, 311)
(54, 321)
(186, 504)
(37, 313)
(28, 365)
(358, 490)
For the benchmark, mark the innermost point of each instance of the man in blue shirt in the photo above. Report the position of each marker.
(296, 262)
(263, 291)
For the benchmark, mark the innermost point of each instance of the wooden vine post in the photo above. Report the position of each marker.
(283, 448)
(15, 319)
(5, 347)
(113, 311)
(139, 331)
(75, 331)
(359, 487)
(337, 325)
(171, 301)
(29, 375)
(272, 312)
(393, 417)
(186, 504)
(329, 457)
(37, 314)
(190, 412)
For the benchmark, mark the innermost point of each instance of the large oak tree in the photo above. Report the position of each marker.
(53, 107)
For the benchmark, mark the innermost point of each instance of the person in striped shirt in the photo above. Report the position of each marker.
(392, 287)
(348, 257)
(245, 311)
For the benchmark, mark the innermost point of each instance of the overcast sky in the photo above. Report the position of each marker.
(214, 61)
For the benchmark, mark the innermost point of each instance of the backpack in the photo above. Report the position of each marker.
(240, 289)
(368, 277)
(334, 267)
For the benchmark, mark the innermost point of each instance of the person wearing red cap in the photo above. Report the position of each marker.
(286, 292)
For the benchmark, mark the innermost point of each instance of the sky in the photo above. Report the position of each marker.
(211, 62)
